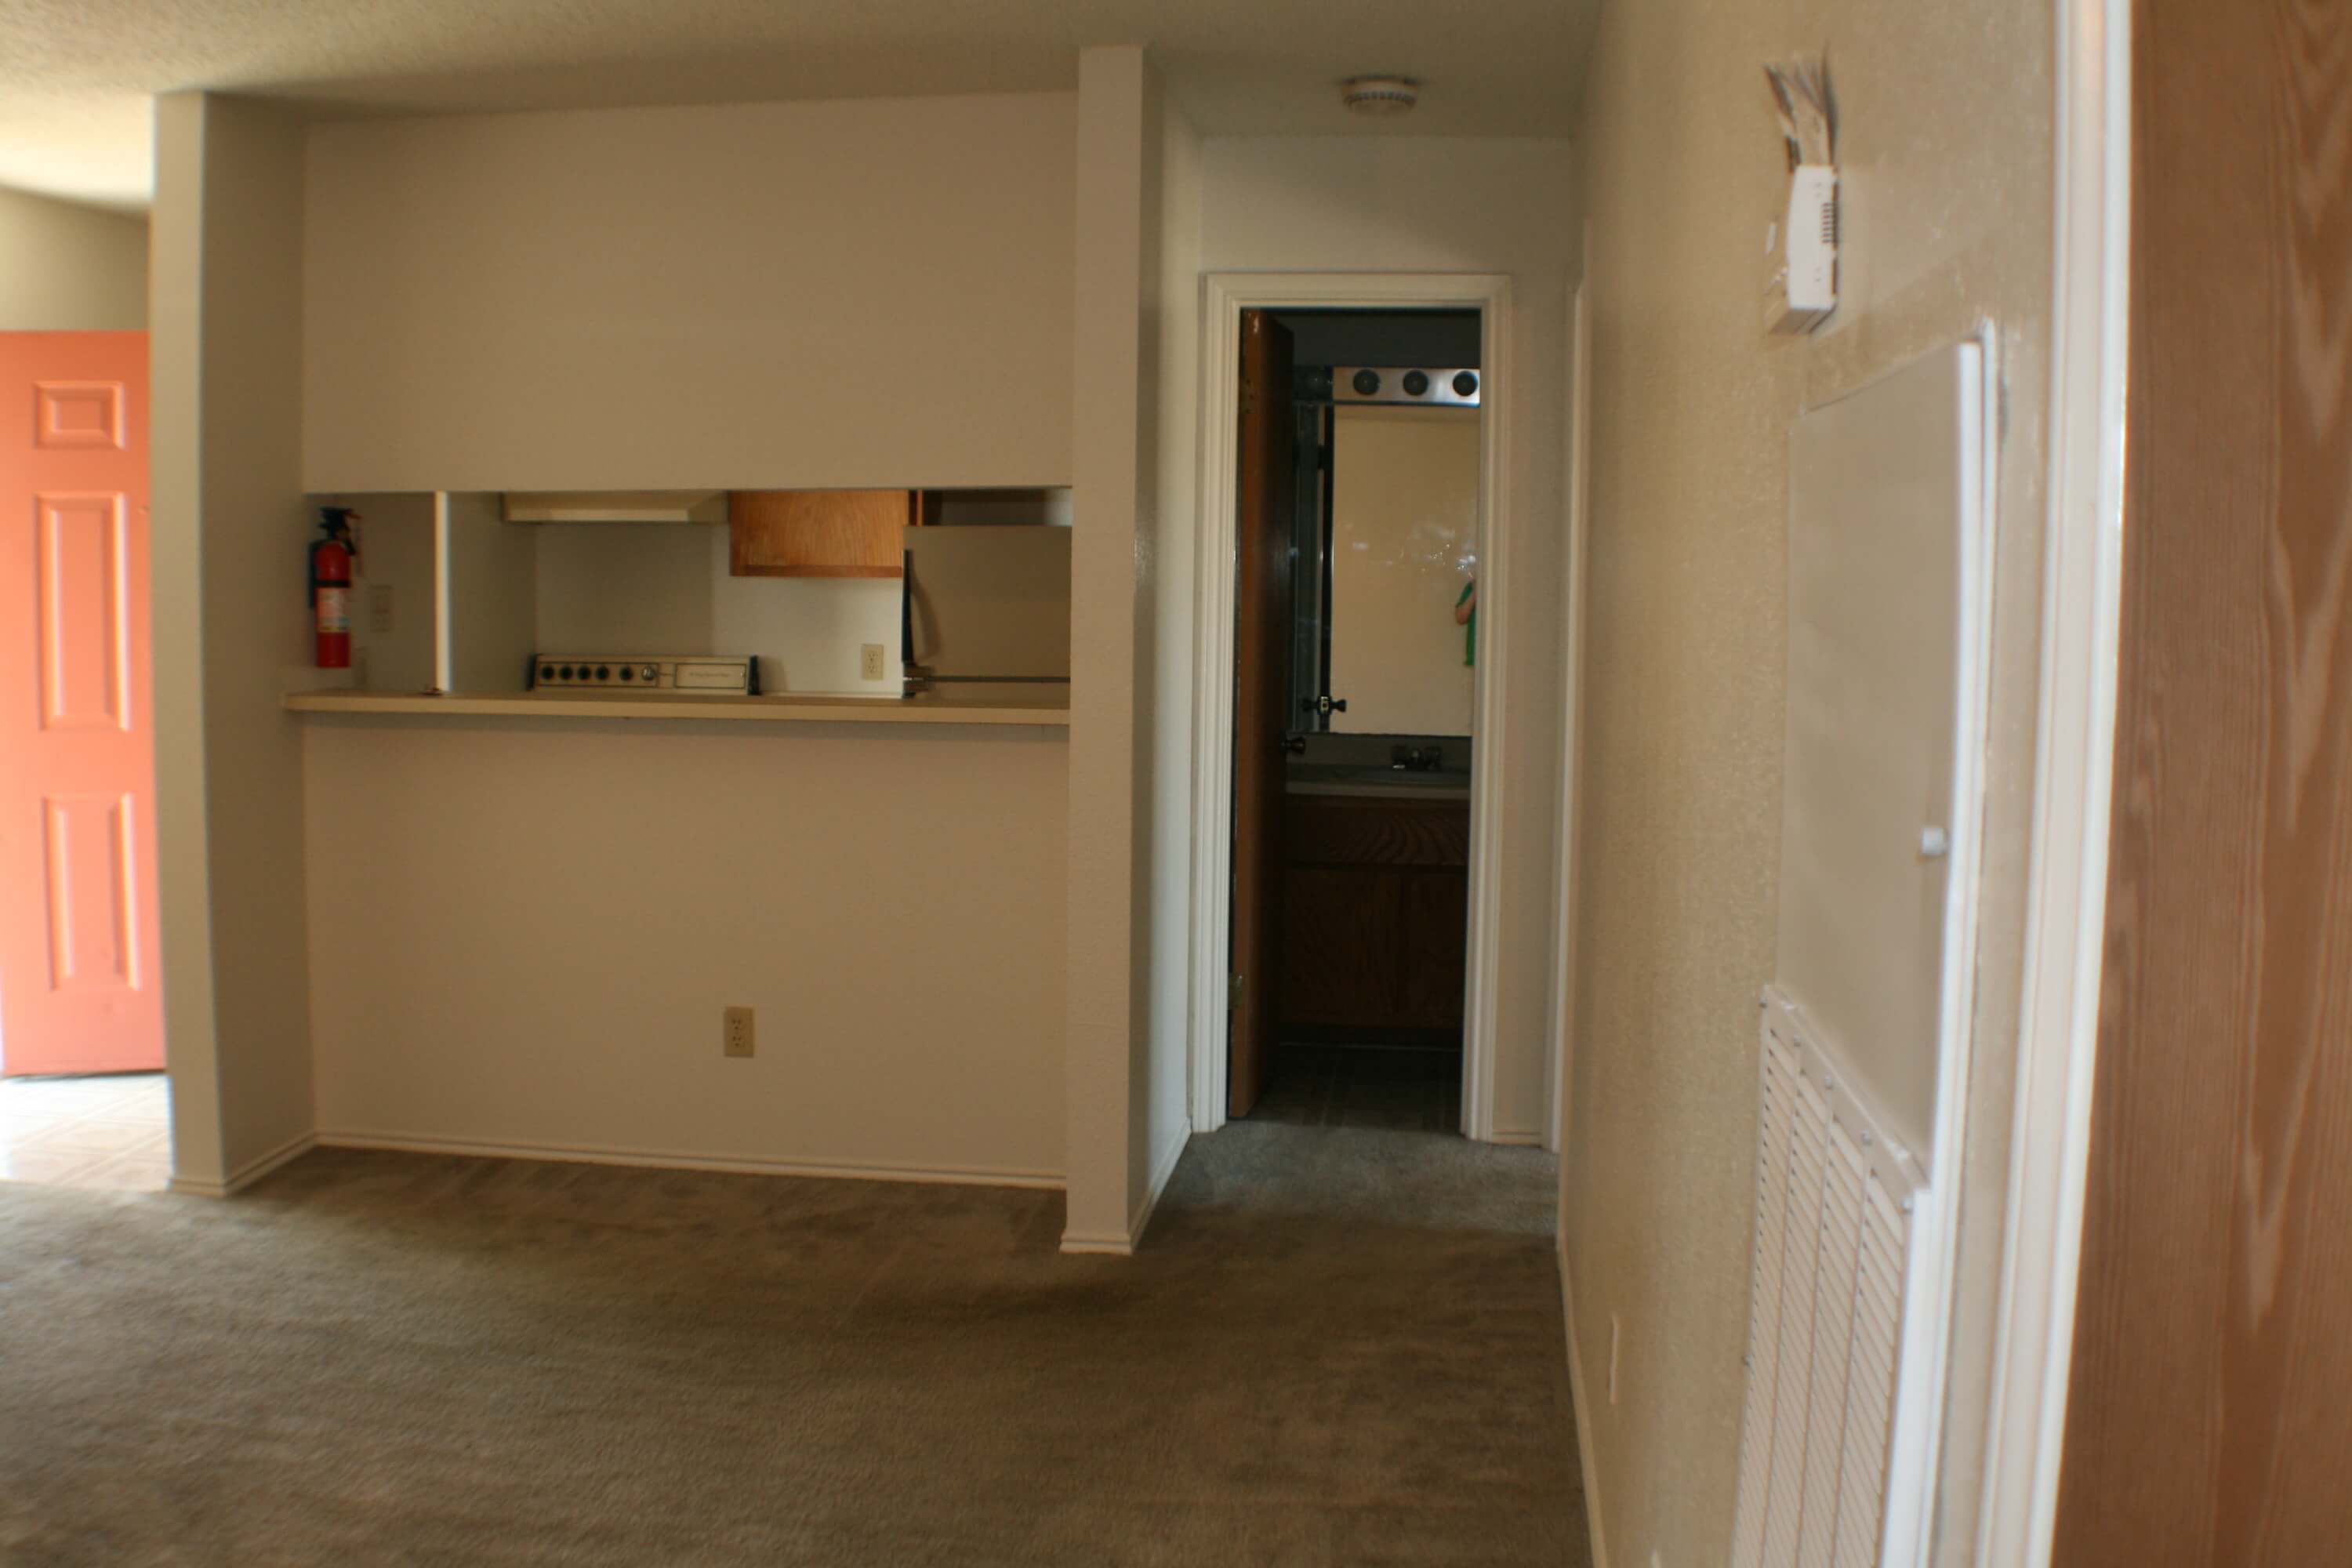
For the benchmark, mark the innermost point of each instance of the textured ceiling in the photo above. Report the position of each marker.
(76, 75)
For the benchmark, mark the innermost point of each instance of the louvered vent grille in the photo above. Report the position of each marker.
(1825, 1321)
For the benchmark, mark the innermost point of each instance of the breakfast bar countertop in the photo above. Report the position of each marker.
(782, 708)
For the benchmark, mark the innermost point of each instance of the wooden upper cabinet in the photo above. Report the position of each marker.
(818, 533)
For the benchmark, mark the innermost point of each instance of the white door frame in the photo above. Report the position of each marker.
(2072, 787)
(1225, 295)
(1559, 1061)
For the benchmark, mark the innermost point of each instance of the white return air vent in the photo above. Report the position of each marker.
(1866, 1025)
(1821, 1448)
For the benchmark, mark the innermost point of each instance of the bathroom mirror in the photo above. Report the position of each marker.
(1386, 541)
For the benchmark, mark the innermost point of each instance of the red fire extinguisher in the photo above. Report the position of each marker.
(331, 560)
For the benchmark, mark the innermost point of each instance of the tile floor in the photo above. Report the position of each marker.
(1402, 1088)
(112, 1132)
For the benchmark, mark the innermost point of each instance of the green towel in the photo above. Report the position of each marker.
(1470, 627)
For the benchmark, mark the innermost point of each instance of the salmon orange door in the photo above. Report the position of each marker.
(79, 989)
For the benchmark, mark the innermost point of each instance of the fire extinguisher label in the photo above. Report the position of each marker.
(334, 609)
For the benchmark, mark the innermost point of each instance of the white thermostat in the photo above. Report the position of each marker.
(1801, 251)
(1805, 253)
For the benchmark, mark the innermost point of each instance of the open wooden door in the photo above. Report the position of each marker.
(79, 988)
(1262, 611)
(2208, 1403)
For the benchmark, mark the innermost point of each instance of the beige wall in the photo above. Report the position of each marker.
(550, 301)
(1110, 537)
(231, 630)
(1174, 382)
(1130, 742)
(1946, 146)
(496, 963)
(870, 292)
(1404, 524)
(1432, 205)
(174, 486)
(68, 268)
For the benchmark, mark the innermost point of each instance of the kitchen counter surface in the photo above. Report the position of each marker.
(782, 709)
(1348, 781)
(1414, 790)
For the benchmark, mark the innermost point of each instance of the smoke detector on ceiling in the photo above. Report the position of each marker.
(1379, 94)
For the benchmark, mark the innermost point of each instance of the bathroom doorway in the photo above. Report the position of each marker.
(1358, 489)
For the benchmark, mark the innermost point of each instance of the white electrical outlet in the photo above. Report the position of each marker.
(736, 1040)
(869, 661)
(1616, 1333)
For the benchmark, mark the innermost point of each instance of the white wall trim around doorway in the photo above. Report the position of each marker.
(1225, 295)
(1560, 1054)
(2057, 1046)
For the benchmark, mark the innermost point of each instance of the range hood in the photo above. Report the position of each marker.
(617, 506)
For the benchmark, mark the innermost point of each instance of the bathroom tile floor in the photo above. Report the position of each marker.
(1401, 1089)
(111, 1132)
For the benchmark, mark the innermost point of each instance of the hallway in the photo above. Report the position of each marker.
(1340, 1346)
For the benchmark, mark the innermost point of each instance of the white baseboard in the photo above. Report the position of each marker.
(1097, 1243)
(252, 1170)
(668, 1160)
(1584, 1444)
(1149, 1203)
(1110, 1244)
(1517, 1137)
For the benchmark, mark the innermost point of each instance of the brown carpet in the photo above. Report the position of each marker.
(1337, 1346)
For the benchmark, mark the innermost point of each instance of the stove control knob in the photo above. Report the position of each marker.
(604, 672)
(628, 672)
(1464, 384)
(565, 674)
(1416, 383)
(547, 673)
(647, 672)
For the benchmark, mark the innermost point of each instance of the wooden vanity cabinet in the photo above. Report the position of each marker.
(1375, 911)
(818, 533)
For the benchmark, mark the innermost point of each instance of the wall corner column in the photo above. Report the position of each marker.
(228, 522)
(1105, 590)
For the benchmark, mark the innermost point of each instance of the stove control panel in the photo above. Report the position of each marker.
(684, 675)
